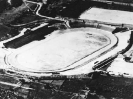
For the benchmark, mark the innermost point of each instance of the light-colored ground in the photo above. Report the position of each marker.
(66, 48)
(106, 15)
(120, 67)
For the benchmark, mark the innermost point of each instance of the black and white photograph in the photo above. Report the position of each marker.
(66, 49)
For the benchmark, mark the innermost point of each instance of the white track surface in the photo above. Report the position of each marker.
(72, 51)
(62, 50)
(120, 66)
